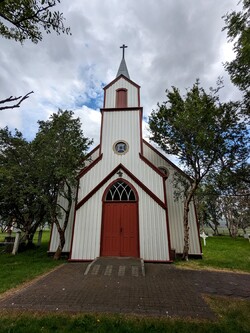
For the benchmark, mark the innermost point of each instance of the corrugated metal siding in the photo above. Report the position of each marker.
(175, 213)
(54, 242)
(68, 234)
(110, 99)
(152, 227)
(92, 157)
(146, 175)
(126, 126)
(153, 230)
(175, 208)
(87, 232)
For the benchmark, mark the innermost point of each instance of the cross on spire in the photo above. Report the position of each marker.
(123, 47)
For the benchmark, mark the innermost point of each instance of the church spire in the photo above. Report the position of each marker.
(123, 67)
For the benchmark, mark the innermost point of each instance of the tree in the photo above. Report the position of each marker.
(36, 175)
(25, 19)
(203, 133)
(21, 201)
(62, 147)
(238, 30)
(208, 206)
(233, 184)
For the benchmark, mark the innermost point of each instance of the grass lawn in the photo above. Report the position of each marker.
(222, 252)
(233, 316)
(25, 266)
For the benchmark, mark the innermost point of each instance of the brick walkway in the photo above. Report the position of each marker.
(117, 287)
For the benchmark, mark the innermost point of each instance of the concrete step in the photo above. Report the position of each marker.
(116, 266)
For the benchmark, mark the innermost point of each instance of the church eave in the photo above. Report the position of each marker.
(132, 108)
(117, 78)
(167, 160)
(132, 176)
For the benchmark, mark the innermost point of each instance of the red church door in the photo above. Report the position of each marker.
(120, 236)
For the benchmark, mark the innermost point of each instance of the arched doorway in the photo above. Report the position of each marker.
(120, 232)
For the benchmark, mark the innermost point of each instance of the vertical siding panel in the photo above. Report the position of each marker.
(122, 83)
(175, 208)
(54, 242)
(152, 227)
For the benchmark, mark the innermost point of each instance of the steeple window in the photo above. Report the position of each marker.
(121, 98)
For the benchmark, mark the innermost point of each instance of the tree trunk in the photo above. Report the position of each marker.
(215, 229)
(62, 229)
(186, 231)
(29, 237)
(58, 252)
(188, 198)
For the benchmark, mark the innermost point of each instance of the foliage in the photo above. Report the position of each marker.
(33, 174)
(59, 165)
(208, 207)
(232, 185)
(21, 202)
(238, 30)
(25, 19)
(203, 133)
(225, 195)
(236, 211)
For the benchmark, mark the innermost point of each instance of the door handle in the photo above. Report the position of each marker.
(121, 230)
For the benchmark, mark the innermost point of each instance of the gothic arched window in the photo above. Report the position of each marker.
(120, 191)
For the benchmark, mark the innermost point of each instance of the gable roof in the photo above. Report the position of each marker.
(118, 78)
(106, 179)
(167, 160)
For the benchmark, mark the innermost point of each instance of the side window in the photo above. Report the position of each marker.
(164, 170)
(121, 98)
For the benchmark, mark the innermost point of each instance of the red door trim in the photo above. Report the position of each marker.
(135, 214)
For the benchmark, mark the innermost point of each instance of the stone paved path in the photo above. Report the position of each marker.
(164, 290)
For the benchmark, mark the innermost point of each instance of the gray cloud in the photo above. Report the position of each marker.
(170, 43)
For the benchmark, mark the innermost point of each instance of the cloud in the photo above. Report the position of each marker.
(170, 43)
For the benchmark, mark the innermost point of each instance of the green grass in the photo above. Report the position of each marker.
(223, 252)
(233, 316)
(220, 252)
(25, 266)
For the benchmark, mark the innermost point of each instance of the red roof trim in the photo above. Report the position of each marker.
(166, 159)
(118, 78)
(152, 166)
(137, 181)
(85, 170)
(91, 152)
(134, 108)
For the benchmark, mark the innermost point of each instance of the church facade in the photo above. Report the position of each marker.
(125, 202)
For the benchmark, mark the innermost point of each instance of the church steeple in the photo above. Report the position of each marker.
(123, 67)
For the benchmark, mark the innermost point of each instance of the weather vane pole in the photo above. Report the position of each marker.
(123, 47)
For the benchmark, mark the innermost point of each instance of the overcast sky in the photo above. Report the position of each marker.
(170, 43)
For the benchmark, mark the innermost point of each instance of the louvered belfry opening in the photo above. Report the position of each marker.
(120, 191)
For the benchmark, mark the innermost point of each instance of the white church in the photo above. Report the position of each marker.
(125, 204)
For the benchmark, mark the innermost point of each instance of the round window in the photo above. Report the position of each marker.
(120, 147)
(164, 170)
